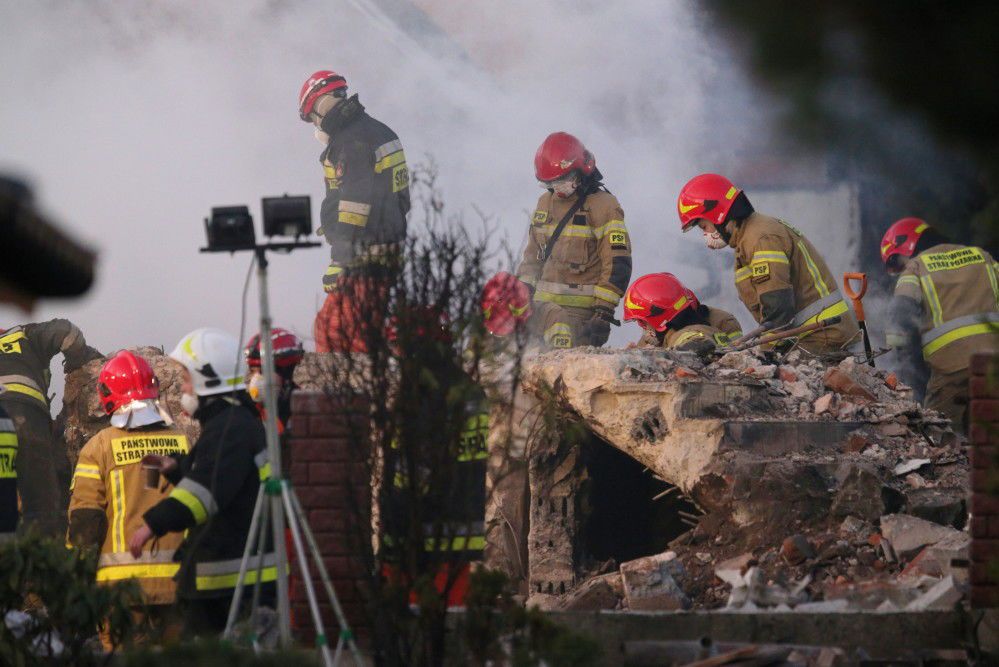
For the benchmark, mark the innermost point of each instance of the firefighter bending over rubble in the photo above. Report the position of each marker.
(945, 308)
(364, 212)
(111, 492)
(780, 276)
(673, 318)
(578, 255)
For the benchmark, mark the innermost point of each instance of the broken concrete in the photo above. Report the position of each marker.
(602, 592)
(943, 505)
(651, 583)
(909, 534)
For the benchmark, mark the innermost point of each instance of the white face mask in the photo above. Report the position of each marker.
(562, 188)
(321, 136)
(714, 240)
(189, 404)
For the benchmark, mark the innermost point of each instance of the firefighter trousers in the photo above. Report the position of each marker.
(355, 304)
(948, 393)
(43, 470)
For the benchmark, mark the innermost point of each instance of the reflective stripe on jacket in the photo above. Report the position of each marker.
(8, 475)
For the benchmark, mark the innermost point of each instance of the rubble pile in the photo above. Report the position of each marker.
(816, 487)
(82, 415)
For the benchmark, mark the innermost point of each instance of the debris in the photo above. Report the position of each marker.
(943, 505)
(704, 556)
(944, 595)
(650, 583)
(796, 549)
(910, 466)
(857, 442)
(891, 381)
(853, 526)
(824, 404)
(733, 570)
(787, 374)
(936, 560)
(602, 592)
(915, 481)
(862, 494)
(841, 383)
(908, 534)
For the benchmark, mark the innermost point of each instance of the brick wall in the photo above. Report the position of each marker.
(984, 436)
(318, 459)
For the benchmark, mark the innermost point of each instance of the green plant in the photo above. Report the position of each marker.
(58, 590)
(214, 654)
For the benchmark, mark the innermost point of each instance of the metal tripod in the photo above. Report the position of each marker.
(276, 503)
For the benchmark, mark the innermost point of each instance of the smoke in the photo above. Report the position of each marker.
(133, 120)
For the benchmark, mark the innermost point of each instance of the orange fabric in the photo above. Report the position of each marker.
(338, 325)
(457, 593)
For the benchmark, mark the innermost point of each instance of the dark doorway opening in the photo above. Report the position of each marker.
(622, 521)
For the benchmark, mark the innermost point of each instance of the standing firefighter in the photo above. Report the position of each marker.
(780, 276)
(110, 490)
(578, 255)
(26, 352)
(945, 308)
(673, 318)
(364, 213)
(215, 485)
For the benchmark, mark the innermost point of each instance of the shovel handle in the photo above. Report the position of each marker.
(856, 295)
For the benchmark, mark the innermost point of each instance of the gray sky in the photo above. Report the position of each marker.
(133, 119)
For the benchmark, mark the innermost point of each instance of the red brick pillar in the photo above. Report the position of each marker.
(320, 457)
(984, 436)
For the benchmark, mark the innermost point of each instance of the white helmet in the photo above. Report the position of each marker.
(214, 360)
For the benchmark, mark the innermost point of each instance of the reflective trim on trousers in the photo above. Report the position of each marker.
(138, 571)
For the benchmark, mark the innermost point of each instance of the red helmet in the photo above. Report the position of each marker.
(654, 300)
(124, 378)
(505, 302)
(901, 238)
(708, 197)
(559, 155)
(427, 321)
(288, 351)
(321, 83)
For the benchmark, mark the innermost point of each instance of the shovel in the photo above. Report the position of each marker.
(858, 307)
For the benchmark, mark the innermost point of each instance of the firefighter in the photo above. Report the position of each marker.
(506, 309)
(9, 513)
(673, 318)
(945, 308)
(578, 255)
(364, 213)
(215, 485)
(110, 489)
(26, 351)
(780, 276)
(288, 353)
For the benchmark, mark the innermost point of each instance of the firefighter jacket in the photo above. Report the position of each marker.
(26, 352)
(109, 497)
(367, 190)
(214, 496)
(957, 290)
(720, 328)
(771, 256)
(590, 263)
(8, 476)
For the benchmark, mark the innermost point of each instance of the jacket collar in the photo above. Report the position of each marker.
(342, 115)
(212, 406)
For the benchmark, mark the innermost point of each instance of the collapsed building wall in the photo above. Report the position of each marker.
(797, 474)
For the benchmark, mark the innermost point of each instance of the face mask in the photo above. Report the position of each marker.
(256, 388)
(189, 404)
(321, 136)
(714, 240)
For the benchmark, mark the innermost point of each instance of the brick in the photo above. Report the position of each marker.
(983, 387)
(298, 426)
(982, 410)
(982, 550)
(981, 363)
(311, 402)
(299, 473)
(332, 544)
(317, 449)
(984, 458)
(981, 527)
(982, 479)
(322, 472)
(983, 503)
(980, 574)
(327, 521)
(325, 497)
(984, 597)
(330, 424)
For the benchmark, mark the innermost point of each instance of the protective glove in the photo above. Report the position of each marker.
(703, 347)
(598, 328)
(332, 276)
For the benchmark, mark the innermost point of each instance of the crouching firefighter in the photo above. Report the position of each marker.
(110, 490)
(578, 255)
(674, 319)
(780, 276)
(945, 308)
(215, 485)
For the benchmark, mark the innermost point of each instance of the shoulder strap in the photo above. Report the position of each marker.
(561, 226)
